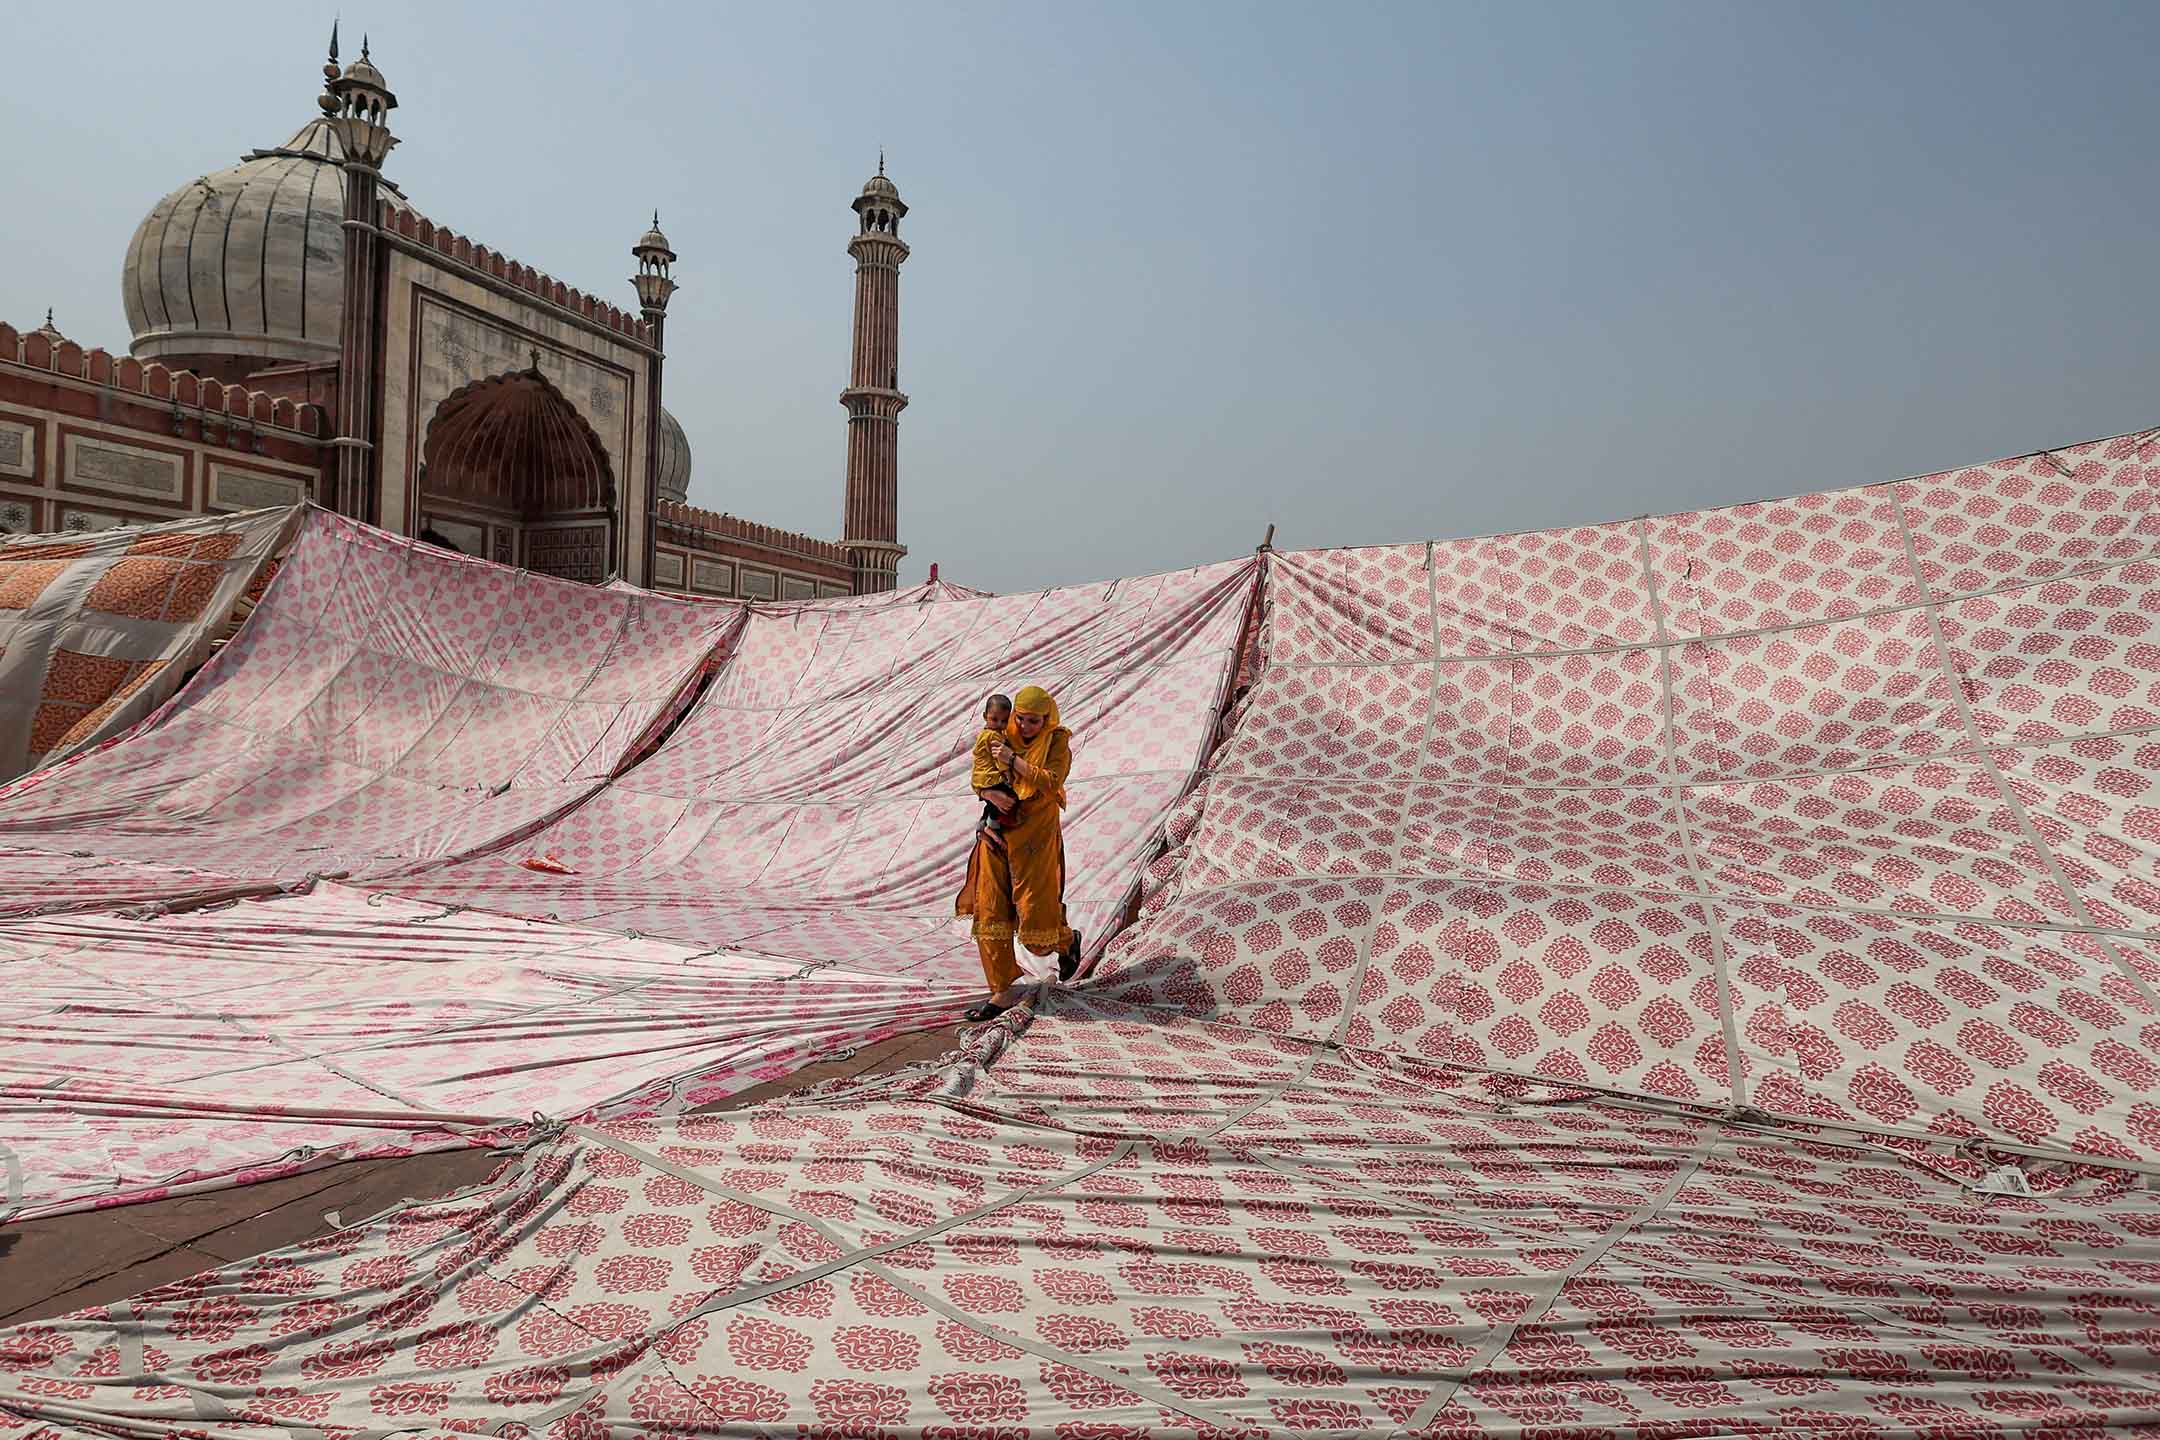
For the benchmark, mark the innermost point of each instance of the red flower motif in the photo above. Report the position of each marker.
(1296, 1366)
(666, 1190)
(1074, 1287)
(612, 1163)
(407, 1397)
(280, 1275)
(1513, 1037)
(1081, 1390)
(986, 1294)
(1643, 1340)
(815, 1298)
(759, 1344)
(2013, 1108)
(546, 1334)
(1169, 1324)
(1196, 1377)
(611, 1321)
(1865, 1024)
(33, 1347)
(859, 1403)
(903, 1209)
(722, 1266)
(2073, 1087)
(1942, 1071)
(875, 1295)
(212, 1321)
(599, 1200)
(633, 1274)
(806, 1244)
(1305, 1414)
(556, 1241)
(308, 1317)
(269, 1407)
(532, 1385)
(1614, 1049)
(1278, 1240)
(871, 1348)
(1081, 1334)
(549, 1282)
(1403, 1352)
(459, 1346)
(482, 1294)
(964, 1342)
(737, 1218)
(656, 1231)
(1990, 1042)
(243, 1366)
(658, 1399)
(979, 1398)
(1881, 1094)
(1389, 1275)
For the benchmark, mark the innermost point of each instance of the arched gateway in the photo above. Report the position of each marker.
(513, 472)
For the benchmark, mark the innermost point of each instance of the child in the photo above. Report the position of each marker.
(988, 775)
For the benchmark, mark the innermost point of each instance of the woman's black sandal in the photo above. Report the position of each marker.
(1069, 960)
(988, 1010)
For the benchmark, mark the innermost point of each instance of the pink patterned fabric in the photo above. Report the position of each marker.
(388, 702)
(1840, 808)
(227, 1046)
(814, 804)
(1690, 977)
(805, 823)
(1138, 1224)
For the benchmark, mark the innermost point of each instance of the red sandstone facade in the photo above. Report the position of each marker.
(89, 441)
(383, 365)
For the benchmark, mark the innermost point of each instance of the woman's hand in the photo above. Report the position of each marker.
(1005, 803)
(1001, 752)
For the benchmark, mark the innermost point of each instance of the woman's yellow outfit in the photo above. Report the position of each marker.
(1019, 891)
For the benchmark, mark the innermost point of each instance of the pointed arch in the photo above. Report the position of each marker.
(512, 452)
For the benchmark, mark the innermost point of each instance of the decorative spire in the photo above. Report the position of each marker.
(654, 280)
(357, 102)
(880, 159)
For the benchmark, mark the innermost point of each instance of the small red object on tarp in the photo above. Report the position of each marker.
(550, 863)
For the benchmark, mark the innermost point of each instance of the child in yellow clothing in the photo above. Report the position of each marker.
(988, 775)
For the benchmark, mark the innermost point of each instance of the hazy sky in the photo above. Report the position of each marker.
(1372, 272)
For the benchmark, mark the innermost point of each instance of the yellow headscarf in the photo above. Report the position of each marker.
(1034, 700)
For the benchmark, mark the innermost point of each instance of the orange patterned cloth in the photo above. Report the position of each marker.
(98, 630)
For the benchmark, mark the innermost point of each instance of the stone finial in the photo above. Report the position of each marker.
(358, 102)
(655, 280)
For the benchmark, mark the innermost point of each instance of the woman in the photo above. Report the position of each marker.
(1019, 891)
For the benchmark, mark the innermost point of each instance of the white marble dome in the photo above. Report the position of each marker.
(243, 269)
(674, 469)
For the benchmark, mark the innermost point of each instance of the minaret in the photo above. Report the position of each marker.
(655, 282)
(357, 102)
(870, 522)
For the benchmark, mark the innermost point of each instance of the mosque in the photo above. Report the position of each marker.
(301, 330)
